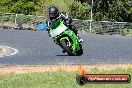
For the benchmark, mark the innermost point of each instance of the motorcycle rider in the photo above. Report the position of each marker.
(54, 14)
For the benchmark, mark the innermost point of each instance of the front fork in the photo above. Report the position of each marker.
(73, 46)
(68, 43)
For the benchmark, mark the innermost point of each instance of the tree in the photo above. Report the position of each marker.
(80, 10)
(19, 6)
(113, 10)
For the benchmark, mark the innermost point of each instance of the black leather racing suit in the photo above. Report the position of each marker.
(67, 20)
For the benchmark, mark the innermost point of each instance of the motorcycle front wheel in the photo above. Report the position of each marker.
(64, 44)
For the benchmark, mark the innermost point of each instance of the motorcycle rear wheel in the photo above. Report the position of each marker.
(80, 51)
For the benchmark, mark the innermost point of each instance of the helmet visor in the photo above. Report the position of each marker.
(52, 15)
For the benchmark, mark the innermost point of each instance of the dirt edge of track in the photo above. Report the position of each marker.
(20, 69)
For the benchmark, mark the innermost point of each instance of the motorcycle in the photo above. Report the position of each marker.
(65, 38)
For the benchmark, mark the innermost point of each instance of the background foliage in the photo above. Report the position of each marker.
(112, 10)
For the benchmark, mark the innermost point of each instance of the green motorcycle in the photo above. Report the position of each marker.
(65, 38)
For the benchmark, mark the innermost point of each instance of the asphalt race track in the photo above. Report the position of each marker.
(36, 47)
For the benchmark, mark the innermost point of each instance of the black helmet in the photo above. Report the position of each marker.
(53, 12)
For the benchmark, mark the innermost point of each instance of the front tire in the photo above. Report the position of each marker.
(66, 48)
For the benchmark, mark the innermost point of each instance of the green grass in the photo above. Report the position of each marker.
(56, 80)
(126, 32)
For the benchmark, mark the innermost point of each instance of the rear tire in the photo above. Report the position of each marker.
(80, 51)
(66, 48)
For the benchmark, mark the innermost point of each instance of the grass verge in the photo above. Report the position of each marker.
(126, 32)
(58, 79)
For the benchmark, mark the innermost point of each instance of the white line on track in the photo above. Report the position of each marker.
(8, 51)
